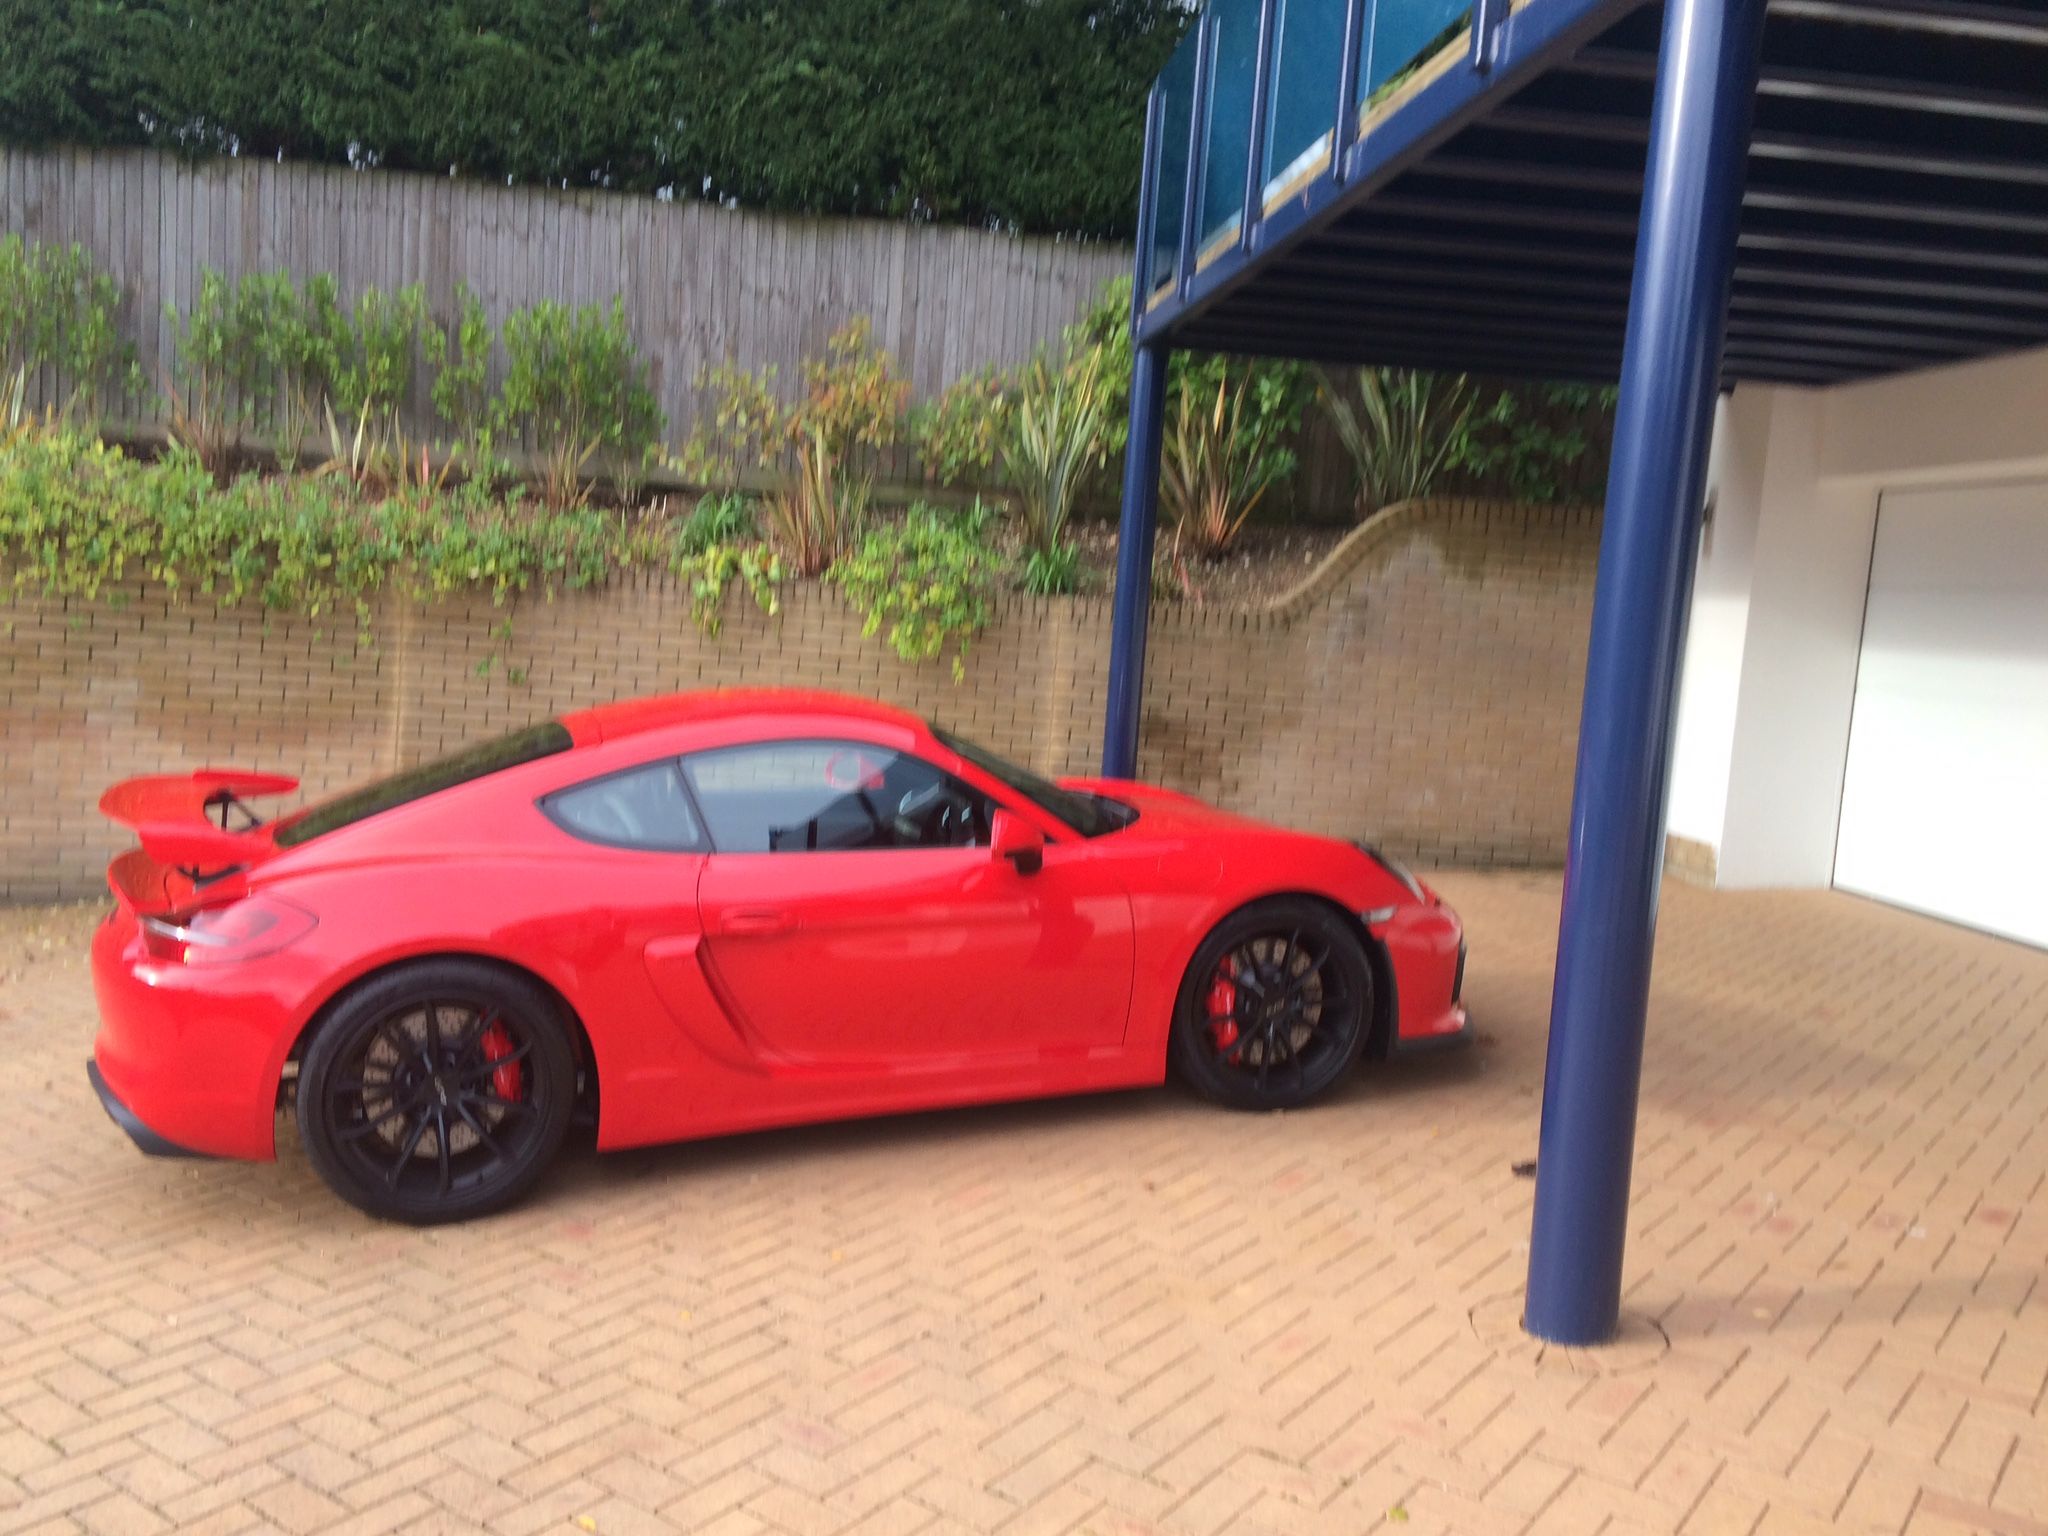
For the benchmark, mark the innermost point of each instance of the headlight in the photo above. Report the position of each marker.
(1397, 869)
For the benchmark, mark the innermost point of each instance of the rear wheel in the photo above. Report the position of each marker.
(1275, 1007)
(437, 1092)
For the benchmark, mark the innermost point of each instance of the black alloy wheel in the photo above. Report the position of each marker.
(1275, 1007)
(437, 1092)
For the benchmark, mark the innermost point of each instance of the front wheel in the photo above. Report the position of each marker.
(437, 1092)
(1275, 1006)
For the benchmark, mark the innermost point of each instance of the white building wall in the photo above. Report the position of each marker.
(1710, 682)
(1777, 618)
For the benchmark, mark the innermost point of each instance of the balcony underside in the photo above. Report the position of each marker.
(1895, 215)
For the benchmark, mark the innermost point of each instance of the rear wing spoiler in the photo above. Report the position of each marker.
(182, 822)
(189, 797)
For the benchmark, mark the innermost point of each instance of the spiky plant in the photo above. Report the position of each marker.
(1051, 438)
(1400, 427)
(1215, 467)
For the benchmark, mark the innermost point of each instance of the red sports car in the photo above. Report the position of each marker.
(717, 912)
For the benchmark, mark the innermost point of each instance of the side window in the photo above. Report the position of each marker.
(813, 796)
(643, 807)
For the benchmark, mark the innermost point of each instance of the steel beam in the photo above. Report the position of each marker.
(1943, 18)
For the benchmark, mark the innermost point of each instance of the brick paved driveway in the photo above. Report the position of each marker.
(1125, 1314)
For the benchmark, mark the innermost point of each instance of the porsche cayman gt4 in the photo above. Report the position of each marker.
(717, 912)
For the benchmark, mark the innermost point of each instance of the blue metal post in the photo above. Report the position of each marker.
(1685, 254)
(1133, 602)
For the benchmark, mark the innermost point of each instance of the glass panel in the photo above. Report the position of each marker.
(1401, 33)
(1228, 121)
(1308, 45)
(1170, 170)
(832, 796)
(529, 745)
(1088, 814)
(641, 808)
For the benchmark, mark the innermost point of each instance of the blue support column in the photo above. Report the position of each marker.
(1685, 254)
(1133, 601)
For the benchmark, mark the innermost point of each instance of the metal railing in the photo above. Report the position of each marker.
(1262, 98)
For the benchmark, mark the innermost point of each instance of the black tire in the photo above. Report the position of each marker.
(437, 1092)
(1275, 1007)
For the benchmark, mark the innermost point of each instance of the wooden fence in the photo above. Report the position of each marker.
(701, 284)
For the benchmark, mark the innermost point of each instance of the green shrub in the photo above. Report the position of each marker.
(78, 517)
(377, 349)
(711, 569)
(1532, 442)
(853, 404)
(311, 340)
(262, 355)
(927, 579)
(959, 434)
(225, 361)
(574, 388)
(1053, 572)
(720, 517)
(462, 363)
(58, 311)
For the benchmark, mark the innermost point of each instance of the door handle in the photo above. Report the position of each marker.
(756, 920)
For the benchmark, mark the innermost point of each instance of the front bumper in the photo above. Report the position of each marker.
(1425, 948)
(1429, 1045)
(143, 1137)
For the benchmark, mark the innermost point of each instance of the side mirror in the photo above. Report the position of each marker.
(1018, 841)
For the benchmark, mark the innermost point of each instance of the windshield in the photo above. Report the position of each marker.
(1089, 815)
(536, 741)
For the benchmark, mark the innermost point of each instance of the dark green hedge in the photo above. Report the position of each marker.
(1014, 112)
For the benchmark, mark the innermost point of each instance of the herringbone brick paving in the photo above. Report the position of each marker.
(1119, 1315)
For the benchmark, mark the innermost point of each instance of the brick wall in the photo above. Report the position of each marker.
(1421, 687)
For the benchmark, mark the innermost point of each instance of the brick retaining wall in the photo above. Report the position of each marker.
(1421, 687)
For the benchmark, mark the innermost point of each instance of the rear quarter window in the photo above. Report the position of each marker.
(645, 807)
(466, 766)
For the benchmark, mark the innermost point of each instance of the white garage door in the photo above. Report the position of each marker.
(1945, 801)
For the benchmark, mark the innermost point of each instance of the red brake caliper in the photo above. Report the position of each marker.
(497, 1044)
(1223, 1006)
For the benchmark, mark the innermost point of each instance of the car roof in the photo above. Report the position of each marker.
(630, 717)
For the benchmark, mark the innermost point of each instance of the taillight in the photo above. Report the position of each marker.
(230, 932)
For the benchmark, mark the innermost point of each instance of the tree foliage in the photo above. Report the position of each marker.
(1016, 113)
